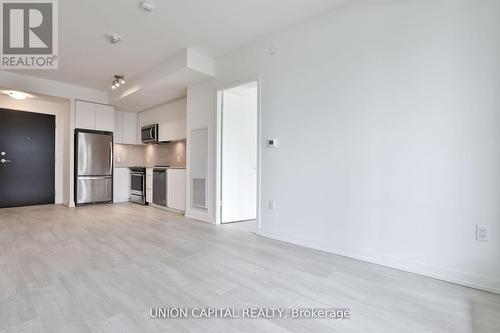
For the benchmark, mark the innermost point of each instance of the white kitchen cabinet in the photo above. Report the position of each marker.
(84, 115)
(94, 116)
(104, 117)
(121, 184)
(118, 132)
(171, 120)
(126, 127)
(149, 178)
(130, 128)
(176, 189)
(149, 185)
(173, 126)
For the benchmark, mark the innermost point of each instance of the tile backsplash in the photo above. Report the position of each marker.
(171, 154)
(129, 155)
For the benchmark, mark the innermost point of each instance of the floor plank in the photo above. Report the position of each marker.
(100, 269)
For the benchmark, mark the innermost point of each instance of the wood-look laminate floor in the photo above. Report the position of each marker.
(100, 269)
(250, 225)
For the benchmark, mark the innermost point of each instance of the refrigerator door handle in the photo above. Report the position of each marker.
(111, 157)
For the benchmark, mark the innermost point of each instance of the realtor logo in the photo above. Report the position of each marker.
(29, 34)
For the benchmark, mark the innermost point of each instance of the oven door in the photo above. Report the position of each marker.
(137, 183)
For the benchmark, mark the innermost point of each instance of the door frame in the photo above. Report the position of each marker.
(218, 126)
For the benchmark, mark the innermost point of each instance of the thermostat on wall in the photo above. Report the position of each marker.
(271, 143)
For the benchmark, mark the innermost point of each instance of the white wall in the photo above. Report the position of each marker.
(239, 155)
(67, 161)
(61, 110)
(201, 114)
(387, 113)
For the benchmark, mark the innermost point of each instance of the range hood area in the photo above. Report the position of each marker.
(149, 134)
(163, 124)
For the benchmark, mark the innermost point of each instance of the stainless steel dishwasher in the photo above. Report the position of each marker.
(160, 187)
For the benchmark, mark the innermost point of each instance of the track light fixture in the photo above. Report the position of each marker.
(117, 81)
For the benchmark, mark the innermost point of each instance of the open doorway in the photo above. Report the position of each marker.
(238, 133)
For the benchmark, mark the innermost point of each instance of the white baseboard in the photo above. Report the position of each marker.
(441, 273)
(199, 217)
(168, 209)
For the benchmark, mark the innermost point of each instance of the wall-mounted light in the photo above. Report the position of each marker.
(117, 81)
(17, 95)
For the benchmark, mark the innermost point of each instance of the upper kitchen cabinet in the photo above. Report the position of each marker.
(171, 120)
(104, 117)
(126, 127)
(85, 115)
(94, 116)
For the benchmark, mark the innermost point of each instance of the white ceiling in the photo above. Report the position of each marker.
(213, 27)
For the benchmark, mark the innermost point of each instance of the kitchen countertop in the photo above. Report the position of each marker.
(166, 168)
(146, 167)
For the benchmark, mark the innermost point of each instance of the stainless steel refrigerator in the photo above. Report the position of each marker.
(93, 167)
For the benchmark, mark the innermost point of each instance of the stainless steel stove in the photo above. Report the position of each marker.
(138, 185)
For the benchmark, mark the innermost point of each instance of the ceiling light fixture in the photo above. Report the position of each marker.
(147, 5)
(117, 81)
(17, 95)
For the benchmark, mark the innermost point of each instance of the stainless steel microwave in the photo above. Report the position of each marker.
(149, 134)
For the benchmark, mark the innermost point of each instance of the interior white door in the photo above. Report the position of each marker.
(239, 154)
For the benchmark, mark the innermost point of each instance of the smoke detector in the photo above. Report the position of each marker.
(147, 5)
(114, 38)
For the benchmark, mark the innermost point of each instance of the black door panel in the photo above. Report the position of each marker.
(27, 174)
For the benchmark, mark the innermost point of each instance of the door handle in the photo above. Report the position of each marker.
(3, 160)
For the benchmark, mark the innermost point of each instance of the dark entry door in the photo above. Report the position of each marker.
(27, 158)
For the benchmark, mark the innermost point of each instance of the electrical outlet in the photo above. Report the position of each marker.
(482, 233)
(272, 204)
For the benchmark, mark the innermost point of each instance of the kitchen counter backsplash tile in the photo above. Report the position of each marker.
(128, 155)
(172, 154)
